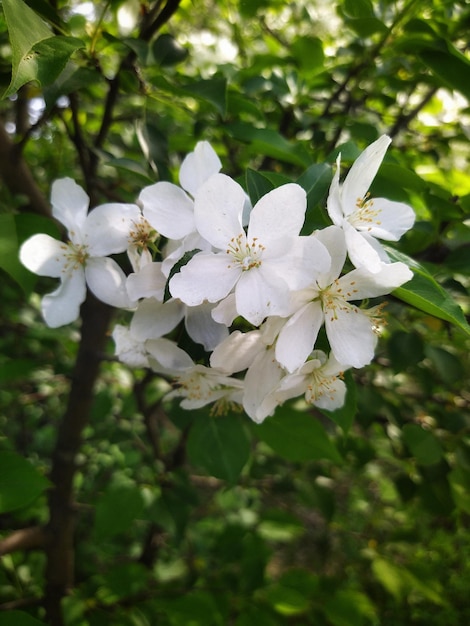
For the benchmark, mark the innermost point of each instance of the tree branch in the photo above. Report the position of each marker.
(59, 546)
(23, 539)
(17, 175)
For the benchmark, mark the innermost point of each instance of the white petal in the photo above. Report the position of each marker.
(360, 251)
(205, 277)
(362, 173)
(168, 209)
(393, 220)
(198, 166)
(238, 351)
(107, 281)
(69, 205)
(62, 306)
(304, 260)
(333, 202)
(261, 380)
(332, 237)
(128, 350)
(351, 336)
(218, 208)
(258, 297)
(333, 397)
(226, 311)
(153, 319)
(149, 282)
(279, 213)
(168, 356)
(361, 283)
(175, 250)
(297, 339)
(202, 327)
(44, 255)
(107, 228)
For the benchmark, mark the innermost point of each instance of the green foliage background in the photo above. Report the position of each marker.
(166, 517)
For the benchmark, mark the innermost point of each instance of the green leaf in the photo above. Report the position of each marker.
(14, 229)
(194, 608)
(422, 444)
(36, 53)
(448, 366)
(25, 30)
(358, 8)
(257, 185)
(219, 445)
(128, 165)
(47, 12)
(389, 576)
(167, 51)
(348, 607)
(425, 293)
(401, 176)
(20, 482)
(187, 256)
(18, 618)
(344, 416)
(16, 369)
(9, 260)
(268, 142)
(308, 52)
(213, 90)
(285, 600)
(117, 509)
(405, 349)
(297, 436)
(451, 67)
(459, 481)
(316, 181)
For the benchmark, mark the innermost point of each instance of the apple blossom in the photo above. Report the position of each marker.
(200, 385)
(169, 208)
(319, 380)
(351, 330)
(262, 265)
(364, 219)
(83, 259)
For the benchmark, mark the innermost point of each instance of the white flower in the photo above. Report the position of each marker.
(153, 319)
(161, 355)
(200, 385)
(351, 331)
(148, 282)
(319, 380)
(167, 207)
(255, 352)
(364, 218)
(83, 259)
(262, 265)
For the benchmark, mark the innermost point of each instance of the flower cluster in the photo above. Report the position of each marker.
(258, 296)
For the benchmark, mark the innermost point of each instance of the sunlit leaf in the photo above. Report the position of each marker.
(37, 55)
(425, 293)
(270, 143)
(213, 90)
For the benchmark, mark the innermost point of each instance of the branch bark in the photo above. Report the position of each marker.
(17, 176)
(60, 530)
(23, 539)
